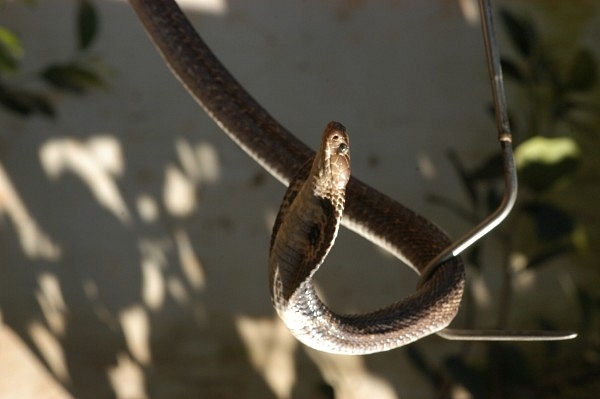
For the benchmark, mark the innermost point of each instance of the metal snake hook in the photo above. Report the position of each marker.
(508, 200)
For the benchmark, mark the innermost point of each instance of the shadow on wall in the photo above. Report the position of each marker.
(133, 241)
(103, 227)
(95, 324)
(100, 277)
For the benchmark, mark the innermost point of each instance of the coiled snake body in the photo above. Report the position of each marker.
(307, 225)
(304, 232)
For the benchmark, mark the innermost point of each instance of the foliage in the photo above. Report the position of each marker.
(557, 113)
(20, 92)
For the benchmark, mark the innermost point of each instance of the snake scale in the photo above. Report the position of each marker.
(375, 216)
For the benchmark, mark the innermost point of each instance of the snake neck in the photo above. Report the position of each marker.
(330, 171)
(309, 217)
(375, 216)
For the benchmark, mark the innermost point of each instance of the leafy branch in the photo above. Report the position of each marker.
(558, 109)
(78, 75)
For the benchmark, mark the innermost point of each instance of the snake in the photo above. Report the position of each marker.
(321, 195)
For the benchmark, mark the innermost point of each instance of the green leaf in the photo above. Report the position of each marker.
(551, 222)
(542, 256)
(11, 50)
(511, 70)
(542, 162)
(584, 72)
(43, 105)
(521, 32)
(17, 103)
(87, 23)
(582, 115)
(25, 103)
(72, 77)
(587, 308)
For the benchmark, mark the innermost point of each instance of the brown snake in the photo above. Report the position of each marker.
(292, 262)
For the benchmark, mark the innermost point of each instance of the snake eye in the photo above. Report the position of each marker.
(342, 148)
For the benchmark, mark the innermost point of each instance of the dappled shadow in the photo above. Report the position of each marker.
(102, 277)
(118, 309)
(134, 235)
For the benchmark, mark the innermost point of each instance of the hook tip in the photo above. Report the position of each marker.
(501, 335)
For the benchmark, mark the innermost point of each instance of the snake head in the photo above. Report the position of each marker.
(335, 149)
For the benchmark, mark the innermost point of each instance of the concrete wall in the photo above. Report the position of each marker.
(134, 234)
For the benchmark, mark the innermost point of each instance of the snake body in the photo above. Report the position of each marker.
(306, 217)
(303, 233)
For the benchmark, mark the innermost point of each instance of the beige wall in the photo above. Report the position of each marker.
(134, 234)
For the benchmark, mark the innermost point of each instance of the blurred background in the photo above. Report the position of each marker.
(134, 234)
